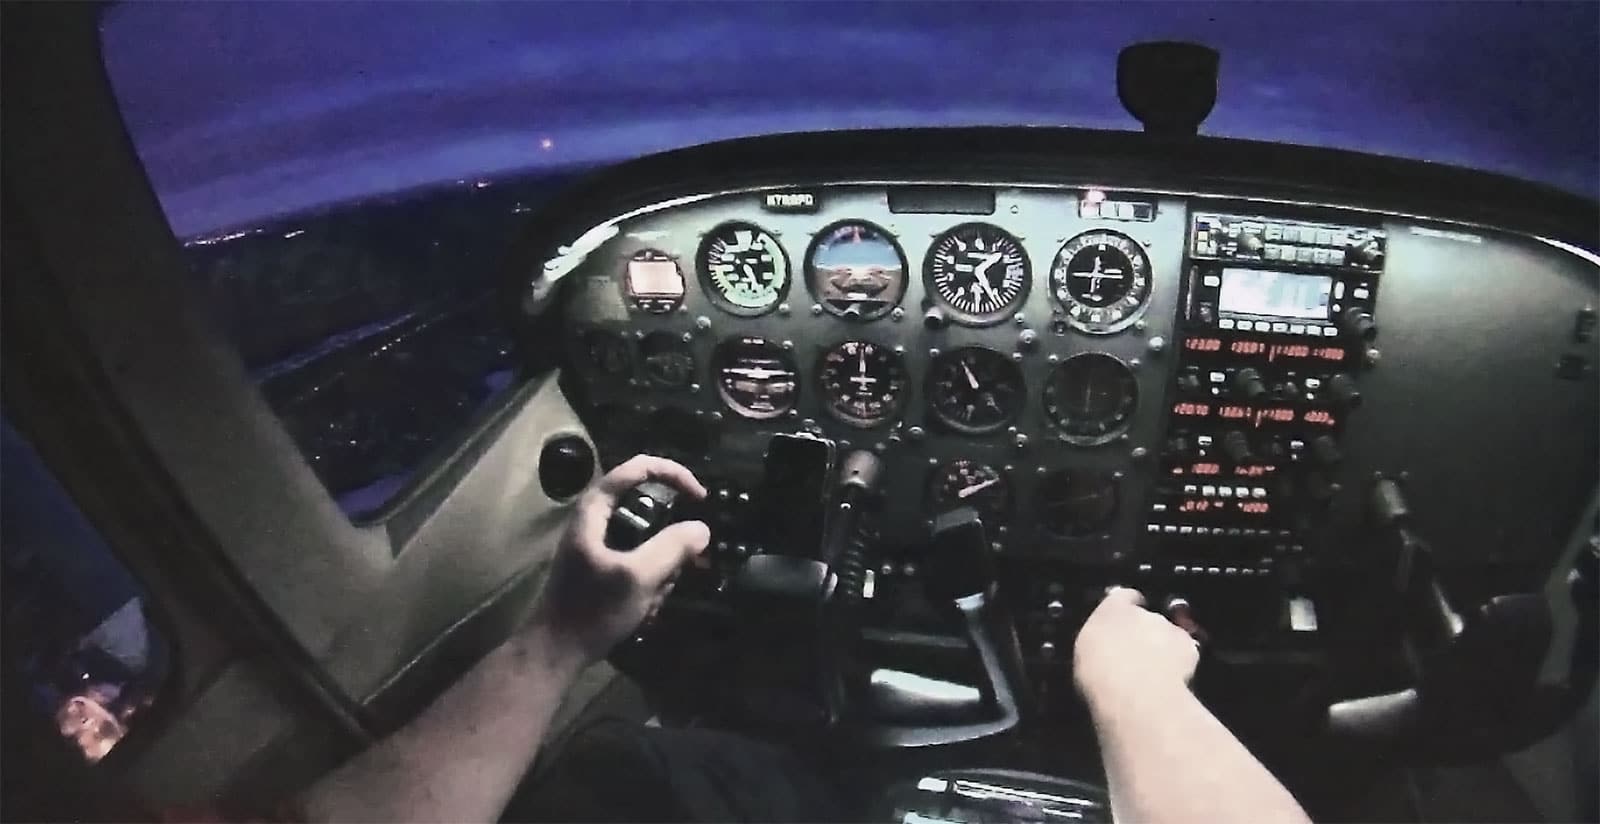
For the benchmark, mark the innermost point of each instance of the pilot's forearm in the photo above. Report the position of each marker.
(461, 759)
(1168, 759)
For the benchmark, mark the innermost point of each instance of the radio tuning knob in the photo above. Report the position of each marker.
(1342, 388)
(1325, 450)
(1289, 391)
(1358, 323)
(1236, 446)
(1274, 451)
(1247, 382)
(1189, 383)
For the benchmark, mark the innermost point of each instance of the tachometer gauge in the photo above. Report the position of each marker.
(668, 361)
(979, 271)
(855, 270)
(1091, 397)
(1101, 280)
(654, 282)
(756, 378)
(969, 483)
(743, 269)
(605, 353)
(1076, 504)
(863, 383)
(975, 390)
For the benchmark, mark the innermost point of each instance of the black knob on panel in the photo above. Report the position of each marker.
(1236, 446)
(1289, 391)
(566, 464)
(1274, 451)
(1325, 451)
(1177, 447)
(1319, 488)
(1358, 323)
(1190, 383)
(1247, 382)
(1342, 388)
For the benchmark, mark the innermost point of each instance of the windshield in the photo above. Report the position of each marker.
(241, 111)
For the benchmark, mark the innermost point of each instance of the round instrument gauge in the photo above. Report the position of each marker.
(855, 270)
(1101, 280)
(743, 269)
(605, 353)
(863, 383)
(1091, 397)
(654, 283)
(756, 378)
(975, 390)
(979, 271)
(668, 361)
(1076, 504)
(969, 483)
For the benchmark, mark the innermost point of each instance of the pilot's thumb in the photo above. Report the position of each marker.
(660, 556)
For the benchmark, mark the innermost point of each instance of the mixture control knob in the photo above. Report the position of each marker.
(1190, 383)
(1358, 323)
(1055, 609)
(1342, 388)
(1247, 382)
(1325, 450)
(1236, 446)
(934, 318)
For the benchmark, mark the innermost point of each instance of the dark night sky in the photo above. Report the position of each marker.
(243, 110)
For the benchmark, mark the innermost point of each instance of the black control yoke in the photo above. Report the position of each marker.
(1489, 680)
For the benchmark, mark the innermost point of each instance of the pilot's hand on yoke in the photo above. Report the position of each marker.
(1125, 647)
(596, 596)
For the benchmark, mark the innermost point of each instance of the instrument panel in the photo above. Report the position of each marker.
(1016, 357)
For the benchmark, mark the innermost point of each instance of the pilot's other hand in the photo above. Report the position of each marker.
(1124, 647)
(595, 596)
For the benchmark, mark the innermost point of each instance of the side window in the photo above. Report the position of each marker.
(358, 287)
(73, 618)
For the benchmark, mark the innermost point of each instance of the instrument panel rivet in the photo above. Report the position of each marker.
(1117, 475)
(897, 314)
(1015, 209)
(783, 309)
(933, 353)
(788, 344)
(686, 337)
(915, 432)
(794, 413)
(816, 308)
(702, 323)
(1139, 453)
(1134, 363)
(638, 334)
(1157, 344)
(933, 462)
(716, 417)
(844, 444)
(1020, 319)
(1016, 356)
(1140, 325)
(1053, 358)
(899, 349)
(1011, 430)
(683, 309)
(808, 423)
(880, 447)
(694, 387)
(1041, 469)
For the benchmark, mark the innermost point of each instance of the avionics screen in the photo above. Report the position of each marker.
(1274, 294)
